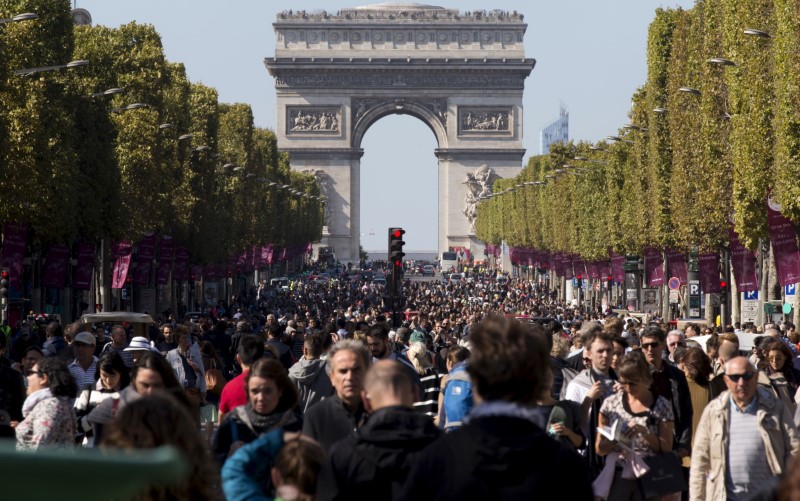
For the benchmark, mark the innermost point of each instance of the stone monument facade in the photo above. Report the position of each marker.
(461, 74)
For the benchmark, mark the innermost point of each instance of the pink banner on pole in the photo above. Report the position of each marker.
(593, 270)
(676, 262)
(604, 268)
(122, 263)
(144, 260)
(783, 237)
(15, 240)
(654, 267)
(181, 263)
(166, 251)
(82, 278)
(266, 255)
(196, 272)
(708, 266)
(743, 262)
(56, 266)
(617, 266)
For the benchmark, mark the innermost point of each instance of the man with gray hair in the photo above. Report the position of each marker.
(675, 339)
(343, 413)
(745, 438)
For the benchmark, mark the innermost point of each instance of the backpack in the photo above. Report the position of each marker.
(457, 400)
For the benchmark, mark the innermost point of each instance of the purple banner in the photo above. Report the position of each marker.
(676, 262)
(744, 264)
(783, 237)
(144, 260)
(197, 272)
(654, 267)
(56, 266)
(604, 268)
(181, 263)
(166, 250)
(122, 263)
(708, 265)
(617, 267)
(15, 240)
(593, 270)
(266, 255)
(82, 279)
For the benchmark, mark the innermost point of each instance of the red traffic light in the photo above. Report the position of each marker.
(4, 275)
(723, 284)
(397, 233)
(579, 277)
(398, 263)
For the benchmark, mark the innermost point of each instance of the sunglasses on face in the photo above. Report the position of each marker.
(647, 346)
(747, 376)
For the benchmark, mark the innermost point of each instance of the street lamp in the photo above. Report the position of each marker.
(184, 136)
(757, 33)
(41, 69)
(26, 16)
(132, 106)
(108, 92)
(659, 110)
(721, 61)
(690, 90)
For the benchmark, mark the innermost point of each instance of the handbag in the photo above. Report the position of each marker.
(215, 380)
(664, 476)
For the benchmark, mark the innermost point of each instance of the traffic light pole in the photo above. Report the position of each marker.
(396, 259)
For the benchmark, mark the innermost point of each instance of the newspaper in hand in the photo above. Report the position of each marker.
(615, 433)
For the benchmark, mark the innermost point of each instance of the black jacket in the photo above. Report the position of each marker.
(497, 457)
(373, 462)
(329, 421)
(284, 353)
(681, 407)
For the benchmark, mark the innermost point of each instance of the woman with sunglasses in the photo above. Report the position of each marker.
(49, 420)
(779, 376)
(646, 425)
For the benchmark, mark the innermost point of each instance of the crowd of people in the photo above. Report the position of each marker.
(485, 390)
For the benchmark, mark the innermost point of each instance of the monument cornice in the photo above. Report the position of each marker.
(389, 73)
(324, 153)
(485, 154)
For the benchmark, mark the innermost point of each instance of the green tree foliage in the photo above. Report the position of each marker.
(39, 168)
(751, 102)
(786, 47)
(659, 158)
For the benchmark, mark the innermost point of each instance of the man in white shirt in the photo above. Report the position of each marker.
(84, 366)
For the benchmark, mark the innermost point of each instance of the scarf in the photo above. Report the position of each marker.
(33, 399)
(261, 423)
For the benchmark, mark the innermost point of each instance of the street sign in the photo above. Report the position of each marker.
(673, 296)
(694, 288)
(787, 308)
(674, 283)
(791, 292)
(749, 306)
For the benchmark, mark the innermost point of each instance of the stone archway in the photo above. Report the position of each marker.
(462, 74)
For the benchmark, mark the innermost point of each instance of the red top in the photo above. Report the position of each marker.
(234, 394)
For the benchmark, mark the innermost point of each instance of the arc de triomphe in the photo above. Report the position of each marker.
(462, 74)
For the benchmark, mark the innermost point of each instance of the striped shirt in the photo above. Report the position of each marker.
(429, 402)
(746, 468)
(83, 378)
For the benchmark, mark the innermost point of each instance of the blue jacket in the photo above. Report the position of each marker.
(250, 462)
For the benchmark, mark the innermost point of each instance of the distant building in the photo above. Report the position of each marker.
(556, 132)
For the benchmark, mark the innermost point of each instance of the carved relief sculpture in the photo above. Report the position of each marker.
(479, 184)
(313, 119)
(494, 120)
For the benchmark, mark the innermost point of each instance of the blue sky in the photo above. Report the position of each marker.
(590, 55)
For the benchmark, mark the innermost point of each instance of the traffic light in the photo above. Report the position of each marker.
(4, 276)
(396, 247)
(723, 291)
(579, 278)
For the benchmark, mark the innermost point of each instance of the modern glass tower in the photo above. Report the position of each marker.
(556, 132)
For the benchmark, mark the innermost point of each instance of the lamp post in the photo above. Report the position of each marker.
(42, 69)
(26, 16)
